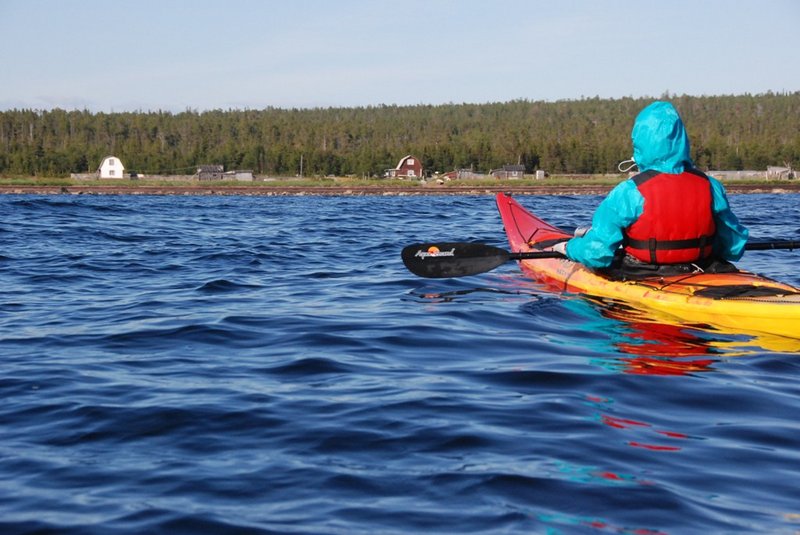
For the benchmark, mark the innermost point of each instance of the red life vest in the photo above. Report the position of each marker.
(677, 222)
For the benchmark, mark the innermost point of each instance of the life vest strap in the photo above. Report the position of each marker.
(652, 245)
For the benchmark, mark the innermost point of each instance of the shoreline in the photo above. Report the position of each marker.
(577, 189)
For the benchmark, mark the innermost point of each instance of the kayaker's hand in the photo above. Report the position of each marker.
(581, 231)
(561, 247)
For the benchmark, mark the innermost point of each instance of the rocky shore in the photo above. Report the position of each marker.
(279, 190)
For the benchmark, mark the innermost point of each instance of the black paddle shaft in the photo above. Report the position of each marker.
(767, 245)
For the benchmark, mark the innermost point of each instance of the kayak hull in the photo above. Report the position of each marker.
(739, 302)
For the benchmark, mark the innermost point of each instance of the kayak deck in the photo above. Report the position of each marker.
(739, 302)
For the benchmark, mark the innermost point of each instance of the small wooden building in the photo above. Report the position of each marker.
(408, 167)
(509, 171)
(111, 167)
(210, 172)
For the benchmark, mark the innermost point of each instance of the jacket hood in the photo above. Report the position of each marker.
(659, 139)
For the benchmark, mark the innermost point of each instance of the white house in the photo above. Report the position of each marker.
(111, 167)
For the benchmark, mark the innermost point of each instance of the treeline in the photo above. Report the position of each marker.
(579, 136)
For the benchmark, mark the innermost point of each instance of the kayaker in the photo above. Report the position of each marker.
(668, 217)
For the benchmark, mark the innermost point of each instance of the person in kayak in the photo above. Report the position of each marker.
(670, 215)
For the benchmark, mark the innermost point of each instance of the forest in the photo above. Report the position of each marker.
(590, 135)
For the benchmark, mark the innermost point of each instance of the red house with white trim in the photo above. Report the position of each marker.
(408, 167)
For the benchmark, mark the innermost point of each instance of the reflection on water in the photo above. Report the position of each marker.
(593, 524)
(635, 342)
(636, 433)
(656, 348)
(594, 475)
(450, 296)
(651, 343)
(653, 333)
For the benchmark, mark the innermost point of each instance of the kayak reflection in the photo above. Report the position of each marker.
(658, 348)
(652, 343)
(614, 335)
(661, 345)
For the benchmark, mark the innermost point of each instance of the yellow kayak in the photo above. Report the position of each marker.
(738, 302)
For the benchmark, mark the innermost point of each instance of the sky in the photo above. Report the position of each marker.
(177, 55)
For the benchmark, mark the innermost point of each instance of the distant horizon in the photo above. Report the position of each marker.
(669, 96)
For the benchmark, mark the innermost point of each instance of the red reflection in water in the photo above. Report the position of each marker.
(673, 434)
(621, 423)
(597, 524)
(665, 366)
(659, 348)
(600, 524)
(653, 447)
(628, 424)
(609, 475)
(663, 339)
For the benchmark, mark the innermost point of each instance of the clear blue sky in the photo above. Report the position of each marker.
(126, 55)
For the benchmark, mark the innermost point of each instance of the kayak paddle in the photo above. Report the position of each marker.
(441, 260)
(459, 259)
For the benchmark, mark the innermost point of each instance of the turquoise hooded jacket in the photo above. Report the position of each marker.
(659, 143)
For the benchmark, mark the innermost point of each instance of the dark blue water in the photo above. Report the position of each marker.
(267, 365)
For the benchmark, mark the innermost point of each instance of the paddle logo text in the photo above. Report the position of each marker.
(434, 252)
